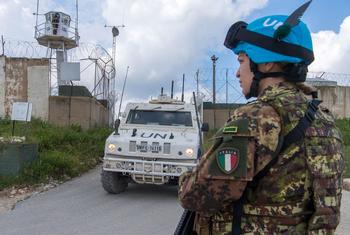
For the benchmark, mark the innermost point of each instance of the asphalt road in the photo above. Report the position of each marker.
(81, 206)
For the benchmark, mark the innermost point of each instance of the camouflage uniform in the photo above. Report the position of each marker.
(300, 194)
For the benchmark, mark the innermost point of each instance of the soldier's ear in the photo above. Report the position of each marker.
(269, 67)
(265, 67)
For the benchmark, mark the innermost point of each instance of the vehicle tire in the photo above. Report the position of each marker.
(113, 183)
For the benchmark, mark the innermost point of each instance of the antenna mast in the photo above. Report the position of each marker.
(172, 89)
(76, 19)
(121, 98)
(112, 90)
(37, 12)
(183, 87)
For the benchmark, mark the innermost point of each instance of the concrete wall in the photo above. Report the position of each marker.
(38, 90)
(221, 116)
(337, 99)
(24, 80)
(84, 111)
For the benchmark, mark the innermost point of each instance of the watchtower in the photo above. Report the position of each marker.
(56, 32)
(59, 33)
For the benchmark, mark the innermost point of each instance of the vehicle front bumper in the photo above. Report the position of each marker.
(146, 167)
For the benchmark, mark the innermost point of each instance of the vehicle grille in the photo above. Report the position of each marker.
(155, 147)
(143, 146)
(132, 146)
(166, 148)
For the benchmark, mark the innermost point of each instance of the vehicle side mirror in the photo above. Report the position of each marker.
(116, 126)
(205, 127)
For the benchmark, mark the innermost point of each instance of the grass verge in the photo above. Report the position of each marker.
(64, 152)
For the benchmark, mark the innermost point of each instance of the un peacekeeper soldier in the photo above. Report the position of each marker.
(276, 166)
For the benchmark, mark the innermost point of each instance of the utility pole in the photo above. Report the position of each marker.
(115, 33)
(121, 98)
(226, 86)
(197, 80)
(229, 110)
(112, 91)
(2, 45)
(183, 87)
(214, 59)
(172, 90)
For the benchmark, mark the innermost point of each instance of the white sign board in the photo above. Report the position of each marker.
(69, 71)
(21, 111)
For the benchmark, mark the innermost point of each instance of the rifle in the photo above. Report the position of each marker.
(185, 225)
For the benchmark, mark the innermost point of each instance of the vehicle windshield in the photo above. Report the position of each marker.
(156, 117)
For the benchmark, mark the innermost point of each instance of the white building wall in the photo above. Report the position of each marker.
(2, 86)
(336, 99)
(38, 91)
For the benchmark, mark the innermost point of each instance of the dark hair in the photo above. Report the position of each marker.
(305, 88)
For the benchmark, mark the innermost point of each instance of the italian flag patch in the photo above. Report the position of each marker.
(227, 160)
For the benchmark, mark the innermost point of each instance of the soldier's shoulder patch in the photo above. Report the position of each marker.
(230, 129)
(227, 159)
(237, 127)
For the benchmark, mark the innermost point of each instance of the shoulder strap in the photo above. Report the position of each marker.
(293, 136)
(298, 132)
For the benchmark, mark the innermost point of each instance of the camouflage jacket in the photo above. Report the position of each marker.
(300, 194)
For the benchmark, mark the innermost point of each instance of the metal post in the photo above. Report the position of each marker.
(36, 19)
(226, 86)
(13, 127)
(76, 21)
(229, 114)
(214, 59)
(183, 87)
(70, 103)
(2, 45)
(197, 80)
(121, 98)
(172, 89)
(115, 33)
(94, 94)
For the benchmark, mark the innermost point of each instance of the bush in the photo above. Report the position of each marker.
(53, 164)
(347, 161)
(344, 127)
(64, 152)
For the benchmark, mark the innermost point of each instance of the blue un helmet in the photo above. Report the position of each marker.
(275, 38)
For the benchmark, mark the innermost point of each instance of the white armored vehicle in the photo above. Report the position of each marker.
(154, 143)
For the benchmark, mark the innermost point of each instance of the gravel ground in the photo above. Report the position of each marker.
(10, 196)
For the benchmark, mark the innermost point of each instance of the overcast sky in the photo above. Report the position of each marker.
(162, 39)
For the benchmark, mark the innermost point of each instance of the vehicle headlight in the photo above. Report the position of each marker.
(111, 147)
(189, 152)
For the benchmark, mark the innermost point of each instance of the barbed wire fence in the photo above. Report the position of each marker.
(228, 89)
(227, 85)
(342, 79)
(97, 66)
